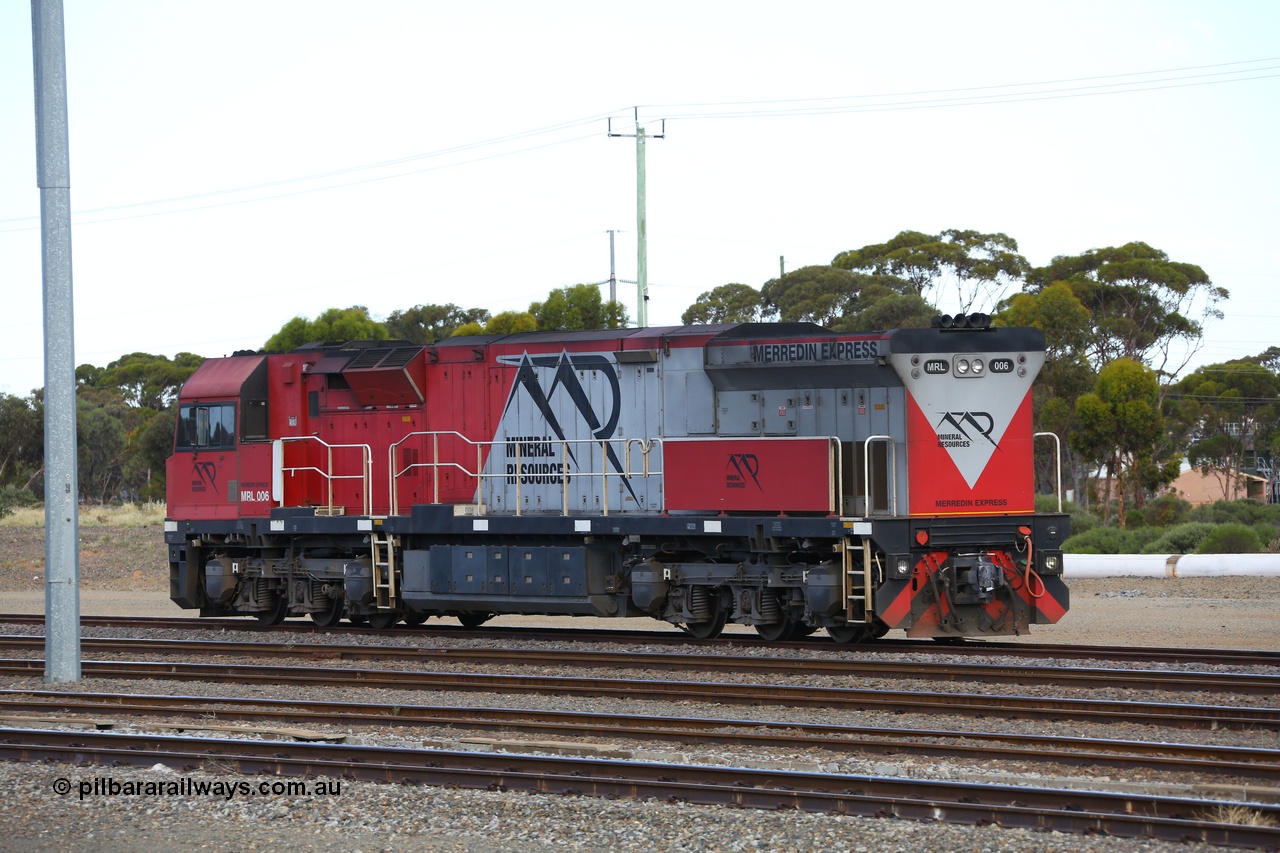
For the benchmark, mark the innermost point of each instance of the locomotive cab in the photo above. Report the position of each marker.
(222, 427)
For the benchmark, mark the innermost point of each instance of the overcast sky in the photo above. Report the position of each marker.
(237, 164)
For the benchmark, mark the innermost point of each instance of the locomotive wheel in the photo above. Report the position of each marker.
(800, 630)
(356, 619)
(783, 629)
(857, 633)
(848, 633)
(328, 618)
(413, 618)
(474, 620)
(383, 620)
(708, 629)
(276, 614)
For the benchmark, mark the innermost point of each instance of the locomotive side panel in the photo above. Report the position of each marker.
(574, 432)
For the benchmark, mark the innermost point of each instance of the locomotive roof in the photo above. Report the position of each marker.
(335, 356)
(584, 335)
(220, 377)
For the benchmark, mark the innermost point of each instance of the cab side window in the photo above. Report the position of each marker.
(209, 426)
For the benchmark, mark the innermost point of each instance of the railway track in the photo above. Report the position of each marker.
(972, 648)
(1073, 811)
(24, 707)
(913, 702)
(1076, 677)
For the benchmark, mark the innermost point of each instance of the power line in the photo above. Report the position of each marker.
(336, 172)
(822, 107)
(973, 88)
(953, 97)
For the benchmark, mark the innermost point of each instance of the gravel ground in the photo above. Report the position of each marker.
(124, 572)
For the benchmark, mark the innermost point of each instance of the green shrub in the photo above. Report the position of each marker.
(1166, 511)
(1267, 533)
(1100, 540)
(13, 497)
(1238, 512)
(1182, 539)
(1081, 519)
(1231, 539)
(1140, 539)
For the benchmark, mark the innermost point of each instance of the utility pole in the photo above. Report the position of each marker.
(642, 226)
(613, 279)
(613, 275)
(782, 266)
(61, 485)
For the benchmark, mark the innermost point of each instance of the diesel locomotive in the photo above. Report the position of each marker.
(781, 476)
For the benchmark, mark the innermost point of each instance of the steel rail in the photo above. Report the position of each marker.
(968, 648)
(1077, 677)
(1180, 758)
(1074, 811)
(956, 704)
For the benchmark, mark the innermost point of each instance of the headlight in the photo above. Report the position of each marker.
(962, 366)
(1051, 562)
(977, 367)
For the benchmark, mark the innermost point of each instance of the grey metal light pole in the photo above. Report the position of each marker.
(613, 275)
(642, 237)
(61, 485)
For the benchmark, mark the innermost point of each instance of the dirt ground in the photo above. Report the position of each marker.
(125, 571)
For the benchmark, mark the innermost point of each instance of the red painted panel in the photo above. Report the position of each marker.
(288, 383)
(255, 480)
(1006, 485)
(748, 475)
(202, 485)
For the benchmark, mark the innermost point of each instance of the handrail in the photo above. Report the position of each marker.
(631, 466)
(645, 446)
(892, 472)
(365, 476)
(1057, 459)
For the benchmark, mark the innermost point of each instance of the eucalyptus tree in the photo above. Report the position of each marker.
(1143, 305)
(728, 303)
(1119, 423)
(1230, 413)
(955, 270)
(576, 307)
(427, 324)
(334, 325)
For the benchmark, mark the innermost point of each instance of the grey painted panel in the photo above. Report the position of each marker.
(738, 412)
(441, 568)
(528, 571)
(779, 411)
(470, 566)
(415, 572)
(567, 571)
(699, 404)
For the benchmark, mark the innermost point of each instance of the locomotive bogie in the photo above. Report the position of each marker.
(780, 477)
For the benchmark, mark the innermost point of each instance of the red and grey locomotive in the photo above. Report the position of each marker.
(775, 475)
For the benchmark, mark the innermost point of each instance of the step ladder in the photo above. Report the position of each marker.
(857, 583)
(384, 569)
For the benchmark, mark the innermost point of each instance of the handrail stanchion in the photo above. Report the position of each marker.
(892, 472)
(1057, 456)
(519, 464)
